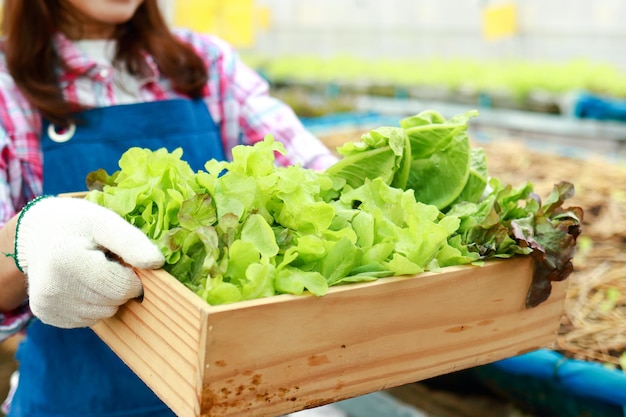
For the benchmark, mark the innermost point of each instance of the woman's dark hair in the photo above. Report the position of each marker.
(29, 28)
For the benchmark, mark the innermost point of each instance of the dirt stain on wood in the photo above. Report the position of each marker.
(317, 360)
(457, 329)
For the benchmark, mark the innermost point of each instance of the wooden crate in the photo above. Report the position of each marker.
(276, 355)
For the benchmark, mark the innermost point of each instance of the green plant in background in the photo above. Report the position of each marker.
(518, 79)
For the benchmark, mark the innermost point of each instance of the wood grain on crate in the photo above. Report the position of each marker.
(272, 356)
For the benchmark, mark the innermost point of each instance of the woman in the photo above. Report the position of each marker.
(81, 81)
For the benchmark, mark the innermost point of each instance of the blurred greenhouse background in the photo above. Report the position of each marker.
(530, 55)
(529, 30)
(518, 48)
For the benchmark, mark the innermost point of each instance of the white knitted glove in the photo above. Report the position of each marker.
(68, 247)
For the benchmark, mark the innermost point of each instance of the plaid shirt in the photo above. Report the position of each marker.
(237, 99)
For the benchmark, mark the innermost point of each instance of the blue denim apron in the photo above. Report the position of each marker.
(72, 372)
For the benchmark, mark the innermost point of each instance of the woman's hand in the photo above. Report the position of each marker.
(78, 259)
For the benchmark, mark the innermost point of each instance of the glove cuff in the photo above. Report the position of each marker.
(15, 255)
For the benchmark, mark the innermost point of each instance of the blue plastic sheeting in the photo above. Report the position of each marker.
(581, 378)
(589, 106)
(337, 121)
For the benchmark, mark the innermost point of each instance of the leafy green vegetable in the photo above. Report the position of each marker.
(477, 179)
(498, 221)
(403, 200)
(247, 229)
(440, 156)
(427, 153)
(510, 221)
(381, 153)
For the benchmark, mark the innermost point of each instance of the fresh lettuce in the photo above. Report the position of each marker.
(511, 221)
(401, 201)
(426, 153)
(444, 172)
(247, 228)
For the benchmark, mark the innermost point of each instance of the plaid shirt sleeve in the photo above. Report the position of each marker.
(239, 101)
(20, 172)
(20, 154)
(15, 321)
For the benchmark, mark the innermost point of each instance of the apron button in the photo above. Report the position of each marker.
(62, 136)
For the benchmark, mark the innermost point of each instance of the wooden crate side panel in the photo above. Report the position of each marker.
(160, 339)
(273, 358)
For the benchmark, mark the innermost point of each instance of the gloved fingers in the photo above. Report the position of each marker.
(126, 241)
(58, 221)
(73, 317)
(110, 279)
(84, 274)
(87, 266)
(88, 315)
(73, 304)
(62, 246)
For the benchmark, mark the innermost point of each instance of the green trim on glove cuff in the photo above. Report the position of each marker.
(17, 228)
